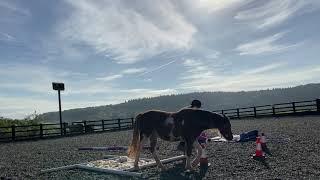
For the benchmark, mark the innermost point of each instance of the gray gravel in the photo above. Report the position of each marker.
(293, 141)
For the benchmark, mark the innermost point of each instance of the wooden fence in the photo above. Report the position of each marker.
(41, 131)
(283, 109)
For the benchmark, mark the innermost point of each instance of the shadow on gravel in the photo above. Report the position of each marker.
(264, 163)
(178, 172)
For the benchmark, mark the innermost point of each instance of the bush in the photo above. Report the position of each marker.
(33, 119)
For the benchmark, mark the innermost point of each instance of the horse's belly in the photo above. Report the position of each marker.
(169, 130)
(170, 138)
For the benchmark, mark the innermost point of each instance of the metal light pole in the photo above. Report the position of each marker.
(59, 87)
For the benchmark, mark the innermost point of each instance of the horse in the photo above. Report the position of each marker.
(186, 124)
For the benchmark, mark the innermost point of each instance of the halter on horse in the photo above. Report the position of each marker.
(186, 124)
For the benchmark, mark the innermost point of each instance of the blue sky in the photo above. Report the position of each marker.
(110, 51)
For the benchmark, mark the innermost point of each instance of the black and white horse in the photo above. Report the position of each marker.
(186, 124)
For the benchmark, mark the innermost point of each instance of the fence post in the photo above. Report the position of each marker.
(132, 122)
(13, 132)
(41, 131)
(65, 128)
(255, 111)
(85, 126)
(318, 105)
(222, 112)
(102, 122)
(294, 107)
(273, 110)
(119, 125)
(238, 113)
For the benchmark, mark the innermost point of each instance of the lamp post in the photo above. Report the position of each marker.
(59, 87)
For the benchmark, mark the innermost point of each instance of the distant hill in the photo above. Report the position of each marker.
(210, 101)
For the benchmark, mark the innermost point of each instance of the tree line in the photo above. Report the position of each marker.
(210, 101)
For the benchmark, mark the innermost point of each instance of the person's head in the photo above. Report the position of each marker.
(195, 104)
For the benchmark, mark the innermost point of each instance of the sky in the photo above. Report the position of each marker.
(110, 51)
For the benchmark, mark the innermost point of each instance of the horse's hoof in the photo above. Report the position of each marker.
(136, 168)
(189, 170)
(194, 167)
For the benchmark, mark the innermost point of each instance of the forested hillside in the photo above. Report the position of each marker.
(210, 100)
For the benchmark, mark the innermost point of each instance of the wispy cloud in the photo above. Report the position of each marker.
(37, 79)
(213, 55)
(266, 68)
(255, 80)
(7, 37)
(122, 74)
(264, 45)
(157, 68)
(133, 70)
(30, 78)
(218, 5)
(196, 69)
(123, 32)
(9, 6)
(110, 78)
(274, 12)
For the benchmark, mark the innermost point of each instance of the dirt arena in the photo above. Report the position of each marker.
(293, 141)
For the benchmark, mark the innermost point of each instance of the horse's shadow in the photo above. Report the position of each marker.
(178, 172)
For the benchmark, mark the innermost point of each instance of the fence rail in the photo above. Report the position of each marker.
(281, 109)
(41, 131)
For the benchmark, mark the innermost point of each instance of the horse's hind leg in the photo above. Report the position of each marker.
(137, 155)
(153, 142)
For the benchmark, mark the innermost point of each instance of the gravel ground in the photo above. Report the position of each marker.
(293, 141)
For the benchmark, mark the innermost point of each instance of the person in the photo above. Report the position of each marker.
(195, 104)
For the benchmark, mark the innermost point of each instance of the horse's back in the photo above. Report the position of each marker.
(152, 117)
(195, 113)
(154, 114)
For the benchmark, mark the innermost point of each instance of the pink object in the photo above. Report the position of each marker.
(202, 139)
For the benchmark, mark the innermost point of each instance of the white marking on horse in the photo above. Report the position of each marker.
(170, 123)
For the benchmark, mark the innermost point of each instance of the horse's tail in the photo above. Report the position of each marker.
(134, 147)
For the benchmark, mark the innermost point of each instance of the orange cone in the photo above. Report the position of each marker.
(259, 155)
(264, 144)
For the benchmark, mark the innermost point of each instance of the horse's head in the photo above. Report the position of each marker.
(225, 128)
